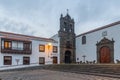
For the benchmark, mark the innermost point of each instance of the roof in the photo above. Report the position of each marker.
(24, 37)
(54, 35)
(100, 28)
(18, 39)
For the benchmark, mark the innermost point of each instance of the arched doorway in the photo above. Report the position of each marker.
(105, 51)
(67, 57)
(105, 55)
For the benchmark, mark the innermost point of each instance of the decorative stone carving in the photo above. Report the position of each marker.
(105, 43)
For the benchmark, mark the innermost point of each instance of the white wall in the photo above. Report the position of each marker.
(34, 57)
(56, 38)
(89, 49)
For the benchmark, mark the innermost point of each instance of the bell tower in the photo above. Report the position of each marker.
(67, 39)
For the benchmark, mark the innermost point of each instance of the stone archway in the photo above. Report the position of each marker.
(105, 51)
(67, 57)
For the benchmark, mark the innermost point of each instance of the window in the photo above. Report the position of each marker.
(41, 48)
(20, 46)
(7, 44)
(16, 45)
(70, 29)
(41, 60)
(55, 49)
(2, 44)
(64, 29)
(26, 60)
(83, 39)
(65, 24)
(27, 46)
(7, 60)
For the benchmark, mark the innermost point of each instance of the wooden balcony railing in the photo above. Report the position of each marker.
(16, 51)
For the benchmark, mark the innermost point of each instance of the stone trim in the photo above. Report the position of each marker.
(105, 43)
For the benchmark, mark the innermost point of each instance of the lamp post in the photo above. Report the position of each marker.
(84, 58)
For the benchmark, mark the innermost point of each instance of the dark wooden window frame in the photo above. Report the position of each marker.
(83, 39)
(9, 44)
(13, 51)
(26, 60)
(8, 62)
(26, 46)
(42, 58)
(55, 49)
(41, 48)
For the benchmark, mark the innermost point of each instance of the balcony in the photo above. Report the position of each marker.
(15, 46)
(15, 51)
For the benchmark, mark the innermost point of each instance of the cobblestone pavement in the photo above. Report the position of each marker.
(49, 75)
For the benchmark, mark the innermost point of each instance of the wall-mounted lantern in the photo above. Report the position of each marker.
(49, 47)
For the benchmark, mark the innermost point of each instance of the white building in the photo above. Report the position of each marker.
(21, 50)
(101, 44)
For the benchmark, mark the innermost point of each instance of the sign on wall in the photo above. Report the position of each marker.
(104, 33)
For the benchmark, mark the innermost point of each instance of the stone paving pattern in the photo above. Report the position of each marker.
(49, 75)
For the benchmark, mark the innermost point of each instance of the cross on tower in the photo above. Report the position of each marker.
(67, 11)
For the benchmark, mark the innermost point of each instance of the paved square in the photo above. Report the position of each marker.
(49, 75)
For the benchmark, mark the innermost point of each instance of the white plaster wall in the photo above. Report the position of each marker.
(14, 57)
(36, 54)
(34, 57)
(56, 38)
(89, 49)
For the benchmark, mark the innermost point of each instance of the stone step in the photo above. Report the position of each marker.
(103, 69)
(91, 69)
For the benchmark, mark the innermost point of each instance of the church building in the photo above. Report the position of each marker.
(101, 45)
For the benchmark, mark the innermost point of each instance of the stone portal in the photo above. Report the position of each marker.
(105, 51)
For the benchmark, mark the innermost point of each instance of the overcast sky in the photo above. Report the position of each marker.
(41, 17)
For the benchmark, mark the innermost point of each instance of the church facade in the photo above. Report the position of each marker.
(100, 45)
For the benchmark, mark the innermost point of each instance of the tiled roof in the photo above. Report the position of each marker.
(24, 37)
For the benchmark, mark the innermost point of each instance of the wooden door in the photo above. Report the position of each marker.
(105, 55)
(54, 60)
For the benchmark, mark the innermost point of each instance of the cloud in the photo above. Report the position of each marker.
(12, 26)
(41, 17)
(93, 14)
